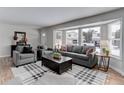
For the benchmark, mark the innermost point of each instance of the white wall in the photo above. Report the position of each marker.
(117, 64)
(7, 33)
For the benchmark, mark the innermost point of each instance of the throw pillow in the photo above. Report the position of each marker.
(69, 48)
(27, 50)
(90, 50)
(86, 47)
(19, 48)
(63, 48)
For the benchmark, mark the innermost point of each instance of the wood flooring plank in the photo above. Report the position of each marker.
(114, 78)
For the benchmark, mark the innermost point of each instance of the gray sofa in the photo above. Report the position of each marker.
(20, 58)
(78, 55)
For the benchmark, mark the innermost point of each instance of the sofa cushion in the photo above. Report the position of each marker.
(81, 56)
(77, 55)
(69, 54)
(69, 48)
(77, 49)
(63, 53)
(24, 56)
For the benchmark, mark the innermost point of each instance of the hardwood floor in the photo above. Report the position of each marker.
(5, 70)
(114, 78)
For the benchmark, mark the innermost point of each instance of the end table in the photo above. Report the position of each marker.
(103, 63)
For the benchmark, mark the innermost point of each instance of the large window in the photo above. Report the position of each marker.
(58, 39)
(114, 36)
(90, 36)
(72, 37)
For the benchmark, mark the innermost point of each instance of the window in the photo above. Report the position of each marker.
(114, 36)
(90, 36)
(72, 37)
(58, 39)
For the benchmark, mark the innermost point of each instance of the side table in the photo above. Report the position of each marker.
(103, 63)
(39, 54)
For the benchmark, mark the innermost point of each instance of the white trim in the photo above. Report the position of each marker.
(5, 56)
(72, 31)
(116, 57)
(118, 70)
(54, 38)
(109, 35)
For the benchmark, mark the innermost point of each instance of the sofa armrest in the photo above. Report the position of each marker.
(16, 57)
(35, 54)
(93, 59)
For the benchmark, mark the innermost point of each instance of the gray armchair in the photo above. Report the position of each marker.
(23, 58)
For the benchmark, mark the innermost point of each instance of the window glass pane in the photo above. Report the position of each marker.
(58, 39)
(114, 29)
(72, 37)
(90, 36)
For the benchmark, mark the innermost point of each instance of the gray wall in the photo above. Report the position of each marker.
(7, 33)
(104, 31)
(94, 19)
(117, 64)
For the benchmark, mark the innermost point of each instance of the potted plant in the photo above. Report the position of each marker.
(104, 50)
(107, 52)
(56, 55)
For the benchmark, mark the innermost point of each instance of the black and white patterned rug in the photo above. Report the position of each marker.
(34, 73)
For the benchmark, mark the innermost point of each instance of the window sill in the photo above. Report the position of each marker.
(116, 57)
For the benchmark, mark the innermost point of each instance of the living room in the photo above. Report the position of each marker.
(103, 21)
(31, 44)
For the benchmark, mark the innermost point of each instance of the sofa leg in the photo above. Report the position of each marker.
(17, 66)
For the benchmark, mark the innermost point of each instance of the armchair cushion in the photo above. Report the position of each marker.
(19, 48)
(25, 56)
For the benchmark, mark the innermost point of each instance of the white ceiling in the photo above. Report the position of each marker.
(47, 16)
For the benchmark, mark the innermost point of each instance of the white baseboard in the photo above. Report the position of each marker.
(5, 56)
(118, 70)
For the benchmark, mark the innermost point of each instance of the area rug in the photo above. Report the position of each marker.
(79, 75)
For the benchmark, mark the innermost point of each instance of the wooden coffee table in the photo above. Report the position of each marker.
(57, 65)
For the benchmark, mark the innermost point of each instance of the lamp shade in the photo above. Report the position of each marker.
(104, 44)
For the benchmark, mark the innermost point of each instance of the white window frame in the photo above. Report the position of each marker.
(54, 40)
(77, 37)
(110, 39)
(89, 28)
